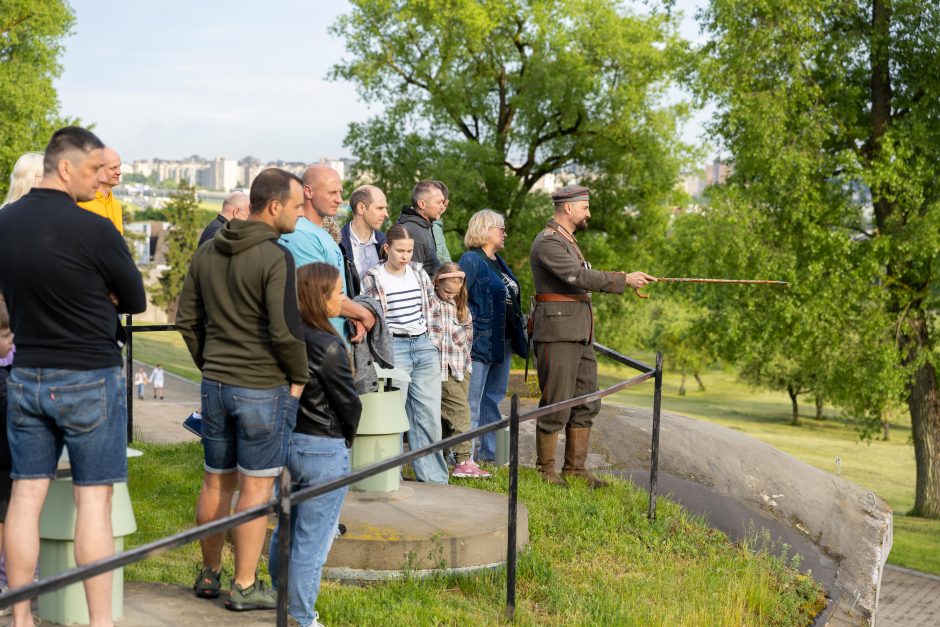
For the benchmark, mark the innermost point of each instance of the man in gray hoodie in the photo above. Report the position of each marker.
(238, 315)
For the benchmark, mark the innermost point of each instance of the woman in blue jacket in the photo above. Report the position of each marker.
(498, 324)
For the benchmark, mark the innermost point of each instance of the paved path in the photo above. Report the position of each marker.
(162, 421)
(908, 598)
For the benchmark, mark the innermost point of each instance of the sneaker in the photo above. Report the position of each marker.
(292, 622)
(208, 585)
(257, 596)
(8, 610)
(469, 469)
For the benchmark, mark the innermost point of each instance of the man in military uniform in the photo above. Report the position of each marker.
(563, 332)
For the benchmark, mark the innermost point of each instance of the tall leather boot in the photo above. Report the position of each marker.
(577, 442)
(545, 444)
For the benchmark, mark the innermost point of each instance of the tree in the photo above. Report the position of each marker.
(819, 102)
(674, 333)
(183, 213)
(491, 96)
(30, 45)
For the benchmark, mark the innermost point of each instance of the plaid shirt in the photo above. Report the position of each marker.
(452, 338)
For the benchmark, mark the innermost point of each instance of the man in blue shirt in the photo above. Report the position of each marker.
(310, 242)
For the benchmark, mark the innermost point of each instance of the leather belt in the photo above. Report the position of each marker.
(557, 298)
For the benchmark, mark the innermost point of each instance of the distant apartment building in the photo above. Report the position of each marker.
(717, 172)
(176, 171)
(714, 173)
(144, 168)
(223, 174)
(248, 169)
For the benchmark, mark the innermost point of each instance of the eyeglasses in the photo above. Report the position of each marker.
(501, 228)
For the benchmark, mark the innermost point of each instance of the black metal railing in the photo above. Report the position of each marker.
(286, 499)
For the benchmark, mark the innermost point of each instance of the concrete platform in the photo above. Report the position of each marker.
(426, 529)
(162, 605)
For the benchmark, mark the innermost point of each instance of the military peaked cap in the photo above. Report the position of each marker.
(571, 193)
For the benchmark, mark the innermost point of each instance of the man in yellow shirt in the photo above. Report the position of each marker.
(105, 204)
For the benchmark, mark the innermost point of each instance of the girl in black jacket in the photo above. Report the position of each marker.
(319, 447)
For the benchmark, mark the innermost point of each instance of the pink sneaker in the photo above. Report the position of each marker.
(470, 470)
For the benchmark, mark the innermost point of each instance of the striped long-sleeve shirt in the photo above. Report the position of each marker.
(406, 311)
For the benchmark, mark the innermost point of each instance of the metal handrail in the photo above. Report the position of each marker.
(282, 505)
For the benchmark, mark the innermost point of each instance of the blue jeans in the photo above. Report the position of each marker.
(85, 410)
(246, 429)
(312, 460)
(488, 384)
(421, 360)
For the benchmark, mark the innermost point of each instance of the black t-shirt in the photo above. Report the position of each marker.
(212, 228)
(512, 292)
(58, 264)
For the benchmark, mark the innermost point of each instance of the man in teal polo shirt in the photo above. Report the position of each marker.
(310, 242)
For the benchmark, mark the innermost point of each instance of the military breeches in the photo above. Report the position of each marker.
(566, 370)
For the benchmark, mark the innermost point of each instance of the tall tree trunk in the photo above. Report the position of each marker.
(923, 395)
(682, 383)
(884, 426)
(698, 379)
(819, 407)
(793, 392)
(923, 400)
(171, 312)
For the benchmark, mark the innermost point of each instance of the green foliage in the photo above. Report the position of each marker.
(151, 179)
(491, 96)
(183, 212)
(821, 103)
(151, 213)
(30, 45)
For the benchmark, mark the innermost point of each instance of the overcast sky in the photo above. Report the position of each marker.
(214, 78)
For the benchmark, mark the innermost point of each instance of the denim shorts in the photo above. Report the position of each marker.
(246, 429)
(84, 410)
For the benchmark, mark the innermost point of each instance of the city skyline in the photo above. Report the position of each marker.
(219, 79)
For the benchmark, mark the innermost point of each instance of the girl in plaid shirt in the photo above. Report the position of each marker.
(451, 330)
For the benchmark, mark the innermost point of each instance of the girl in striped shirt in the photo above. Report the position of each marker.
(406, 293)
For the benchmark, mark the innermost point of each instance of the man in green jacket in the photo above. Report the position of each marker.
(238, 315)
(563, 332)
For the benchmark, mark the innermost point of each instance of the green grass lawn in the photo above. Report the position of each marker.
(166, 348)
(593, 559)
(886, 468)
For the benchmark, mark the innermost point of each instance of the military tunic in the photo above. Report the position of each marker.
(563, 330)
